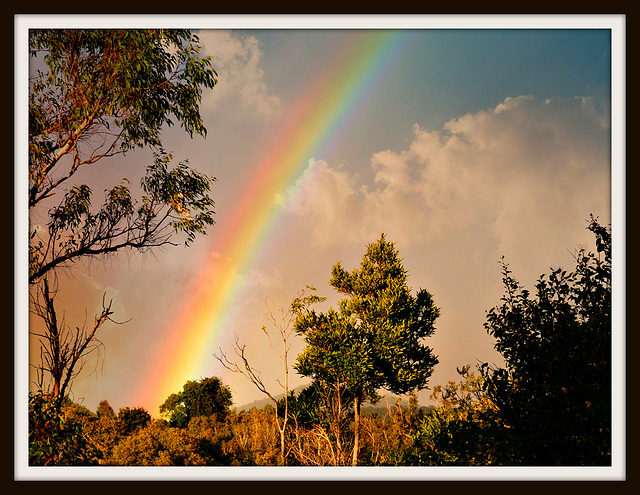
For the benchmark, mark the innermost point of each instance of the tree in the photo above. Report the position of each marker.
(375, 338)
(105, 410)
(555, 391)
(339, 362)
(97, 94)
(206, 397)
(106, 92)
(132, 419)
(283, 323)
(106, 431)
(63, 349)
(174, 200)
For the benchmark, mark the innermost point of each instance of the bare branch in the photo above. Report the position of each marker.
(285, 329)
(246, 370)
(63, 351)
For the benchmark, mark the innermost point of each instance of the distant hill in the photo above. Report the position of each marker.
(260, 403)
(387, 401)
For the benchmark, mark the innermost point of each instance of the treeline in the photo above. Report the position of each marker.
(79, 436)
(550, 405)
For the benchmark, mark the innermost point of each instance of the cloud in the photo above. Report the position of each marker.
(520, 179)
(237, 60)
(327, 194)
(261, 281)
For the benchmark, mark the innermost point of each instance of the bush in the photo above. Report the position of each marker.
(54, 438)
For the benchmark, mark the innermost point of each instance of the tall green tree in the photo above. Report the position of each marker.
(205, 397)
(95, 94)
(375, 339)
(555, 391)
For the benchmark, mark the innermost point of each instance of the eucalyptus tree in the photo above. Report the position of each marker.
(103, 93)
(95, 94)
(374, 339)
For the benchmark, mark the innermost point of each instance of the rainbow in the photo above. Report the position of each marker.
(314, 126)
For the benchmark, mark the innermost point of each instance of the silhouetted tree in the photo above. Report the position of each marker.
(555, 391)
(62, 349)
(131, 419)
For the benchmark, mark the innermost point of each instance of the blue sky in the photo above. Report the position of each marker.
(481, 143)
(447, 73)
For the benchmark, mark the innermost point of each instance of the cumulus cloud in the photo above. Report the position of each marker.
(237, 60)
(512, 176)
(326, 194)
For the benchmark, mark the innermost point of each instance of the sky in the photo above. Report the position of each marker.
(460, 145)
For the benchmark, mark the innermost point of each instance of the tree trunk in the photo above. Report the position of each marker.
(356, 429)
(282, 432)
(56, 387)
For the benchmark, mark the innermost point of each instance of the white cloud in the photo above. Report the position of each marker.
(326, 194)
(240, 76)
(523, 177)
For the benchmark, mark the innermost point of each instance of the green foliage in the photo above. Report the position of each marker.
(161, 445)
(174, 200)
(105, 432)
(105, 92)
(118, 86)
(206, 397)
(467, 394)
(335, 358)
(56, 439)
(374, 340)
(391, 323)
(131, 419)
(305, 409)
(448, 438)
(464, 429)
(555, 392)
